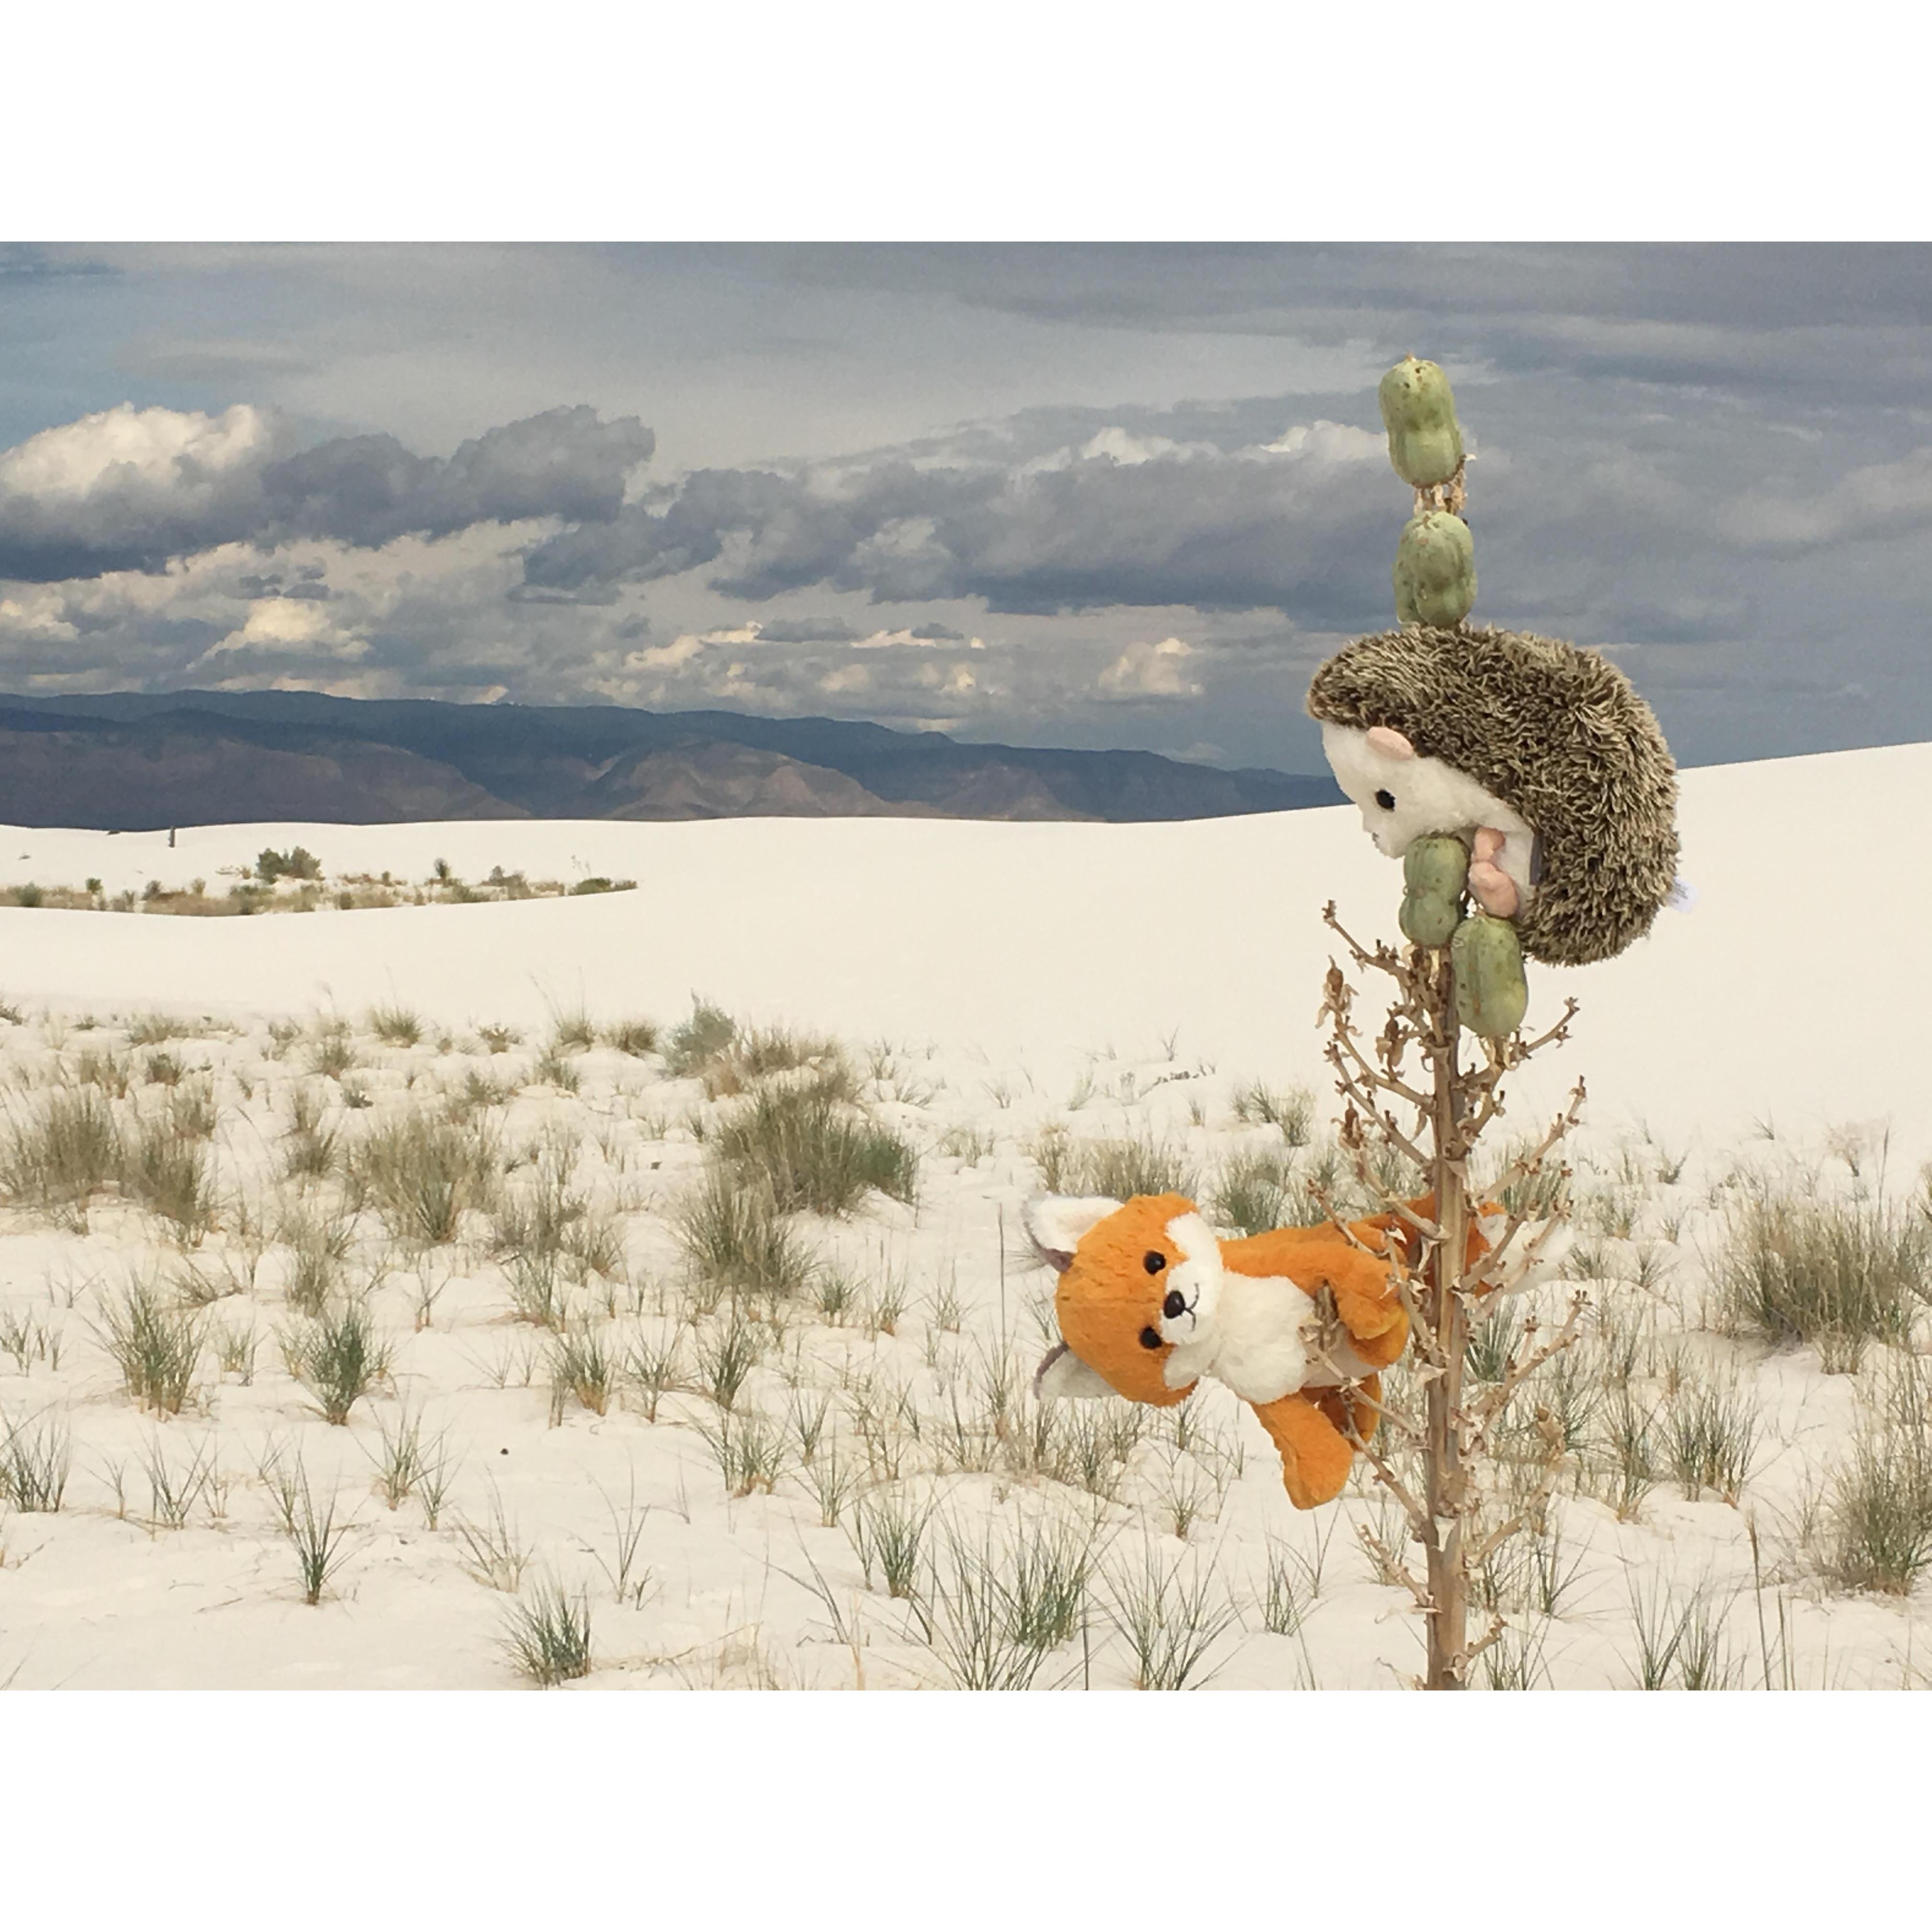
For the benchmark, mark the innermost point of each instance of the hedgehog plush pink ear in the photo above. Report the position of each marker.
(1390, 742)
(1057, 1222)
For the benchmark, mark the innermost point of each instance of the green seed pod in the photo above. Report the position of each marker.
(1492, 995)
(1433, 871)
(1418, 412)
(1435, 571)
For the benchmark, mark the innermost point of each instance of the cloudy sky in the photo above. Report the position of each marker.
(1118, 495)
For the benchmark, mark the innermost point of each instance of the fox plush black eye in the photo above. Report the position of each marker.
(1154, 1261)
(1150, 1338)
(1386, 799)
(1173, 1307)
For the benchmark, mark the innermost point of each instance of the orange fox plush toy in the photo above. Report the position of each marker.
(1150, 1300)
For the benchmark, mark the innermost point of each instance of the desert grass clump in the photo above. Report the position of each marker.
(66, 1152)
(1806, 1268)
(396, 1026)
(1169, 1622)
(996, 1607)
(173, 1491)
(550, 1068)
(1291, 1111)
(726, 1357)
(750, 1450)
(736, 1240)
(155, 1343)
(318, 1536)
(498, 1555)
(172, 1176)
(889, 1531)
(701, 1038)
(35, 1461)
(402, 1459)
(423, 1175)
(1878, 1516)
(1257, 1190)
(635, 1037)
(337, 1357)
(548, 1636)
(1709, 1435)
(1120, 1167)
(319, 1245)
(810, 1152)
(1681, 1641)
(581, 1364)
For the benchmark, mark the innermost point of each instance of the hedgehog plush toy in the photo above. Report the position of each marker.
(1537, 753)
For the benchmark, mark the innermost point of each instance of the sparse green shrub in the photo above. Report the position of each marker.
(551, 1069)
(35, 1463)
(580, 1365)
(336, 1356)
(737, 1241)
(1169, 1622)
(1291, 1111)
(599, 884)
(810, 1152)
(497, 1553)
(573, 1033)
(1121, 1168)
(424, 1175)
(750, 1449)
(548, 1637)
(67, 1151)
(1258, 1191)
(1879, 1503)
(1681, 1644)
(320, 1540)
(297, 862)
(706, 1034)
(155, 1344)
(1709, 1435)
(1811, 1269)
(726, 1356)
(635, 1037)
(396, 1026)
(171, 1175)
(996, 1606)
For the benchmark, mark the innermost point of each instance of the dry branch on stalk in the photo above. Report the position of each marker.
(1434, 1116)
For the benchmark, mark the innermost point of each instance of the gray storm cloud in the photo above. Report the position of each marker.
(128, 489)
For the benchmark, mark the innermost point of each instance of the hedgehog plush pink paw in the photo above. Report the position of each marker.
(1494, 890)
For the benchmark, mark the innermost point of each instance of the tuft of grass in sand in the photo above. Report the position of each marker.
(156, 1344)
(810, 1151)
(548, 1636)
(1803, 1266)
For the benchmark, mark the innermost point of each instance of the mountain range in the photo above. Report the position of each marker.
(137, 761)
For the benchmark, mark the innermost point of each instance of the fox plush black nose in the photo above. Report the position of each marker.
(1173, 1305)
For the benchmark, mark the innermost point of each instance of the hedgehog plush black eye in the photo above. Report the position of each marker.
(1154, 1261)
(1386, 799)
(1150, 1338)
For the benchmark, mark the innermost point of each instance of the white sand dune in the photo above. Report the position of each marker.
(1794, 987)
(1115, 980)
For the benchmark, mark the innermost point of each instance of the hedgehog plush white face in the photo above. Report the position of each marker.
(1403, 796)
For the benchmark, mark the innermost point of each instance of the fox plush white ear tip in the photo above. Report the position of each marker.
(1390, 742)
(1062, 1376)
(1057, 1222)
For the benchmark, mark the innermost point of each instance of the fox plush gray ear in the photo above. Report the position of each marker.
(1056, 1223)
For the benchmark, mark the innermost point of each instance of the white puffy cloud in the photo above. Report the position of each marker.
(1151, 670)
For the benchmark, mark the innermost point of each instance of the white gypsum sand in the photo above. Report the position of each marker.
(1005, 994)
